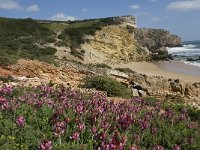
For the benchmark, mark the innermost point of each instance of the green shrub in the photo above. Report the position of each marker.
(6, 79)
(50, 40)
(111, 86)
(6, 60)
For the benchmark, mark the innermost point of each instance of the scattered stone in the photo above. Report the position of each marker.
(142, 93)
(135, 93)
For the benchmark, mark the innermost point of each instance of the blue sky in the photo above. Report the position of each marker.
(181, 17)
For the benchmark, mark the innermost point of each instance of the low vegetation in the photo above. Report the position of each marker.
(107, 84)
(7, 79)
(47, 117)
(19, 39)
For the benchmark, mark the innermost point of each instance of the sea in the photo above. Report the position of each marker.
(189, 53)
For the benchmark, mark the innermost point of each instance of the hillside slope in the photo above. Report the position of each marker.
(19, 38)
(108, 40)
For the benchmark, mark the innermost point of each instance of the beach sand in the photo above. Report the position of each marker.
(168, 69)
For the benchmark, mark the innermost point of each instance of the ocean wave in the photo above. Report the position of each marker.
(197, 64)
(190, 46)
(176, 50)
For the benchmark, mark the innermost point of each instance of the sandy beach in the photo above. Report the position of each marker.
(168, 69)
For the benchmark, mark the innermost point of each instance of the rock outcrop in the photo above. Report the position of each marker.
(34, 73)
(154, 39)
(169, 89)
(112, 44)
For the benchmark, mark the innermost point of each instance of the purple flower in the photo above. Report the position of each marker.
(192, 125)
(190, 140)
(125, 121)
(67, 120)
(45, 145)
(81, 126)
(133, 147)
(75, 136)
(154, 130)
(94, 130)
(20, 121)
(158, 147)
(177, 147)
(59, 128)
(105, 125)
(181, 117)
(79, 108)
(143, 124)
(169, 113)
(6, 90)
(4, 104)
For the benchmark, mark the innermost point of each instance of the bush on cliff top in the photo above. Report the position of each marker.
(109, 85)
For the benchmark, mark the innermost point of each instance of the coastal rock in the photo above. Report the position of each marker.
(135, 93)
(111, 45)
(142, 93)
(117, 74)
(154, 39)
(178, 86)
(169, 89)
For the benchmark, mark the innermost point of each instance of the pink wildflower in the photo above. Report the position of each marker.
(75, 136)
(20, 121)
(46, 145)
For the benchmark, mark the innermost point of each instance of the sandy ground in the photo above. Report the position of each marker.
(172, 69)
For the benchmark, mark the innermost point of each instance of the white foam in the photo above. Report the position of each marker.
(185, 51)
(192, 63)
(189, 46)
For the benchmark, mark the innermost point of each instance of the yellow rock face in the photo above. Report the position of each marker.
(110, 45)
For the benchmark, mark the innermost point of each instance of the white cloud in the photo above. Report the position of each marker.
(159, 19)
(62, 17)
(134, 6)
(9, 4)
(33, 8)
(185, 5)
(84, 9)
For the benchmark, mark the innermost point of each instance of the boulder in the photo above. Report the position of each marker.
(135, 93)
(177, 86)
(142, 93)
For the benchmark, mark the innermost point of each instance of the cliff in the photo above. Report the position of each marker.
(112, 44)
(107, 40)
(154, 39)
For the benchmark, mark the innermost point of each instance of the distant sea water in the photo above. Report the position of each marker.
(189, 53)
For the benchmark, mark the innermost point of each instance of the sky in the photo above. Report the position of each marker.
(180, 17)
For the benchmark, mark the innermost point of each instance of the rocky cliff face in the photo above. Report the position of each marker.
(124, 42)
(112, 44)
(155, 39)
